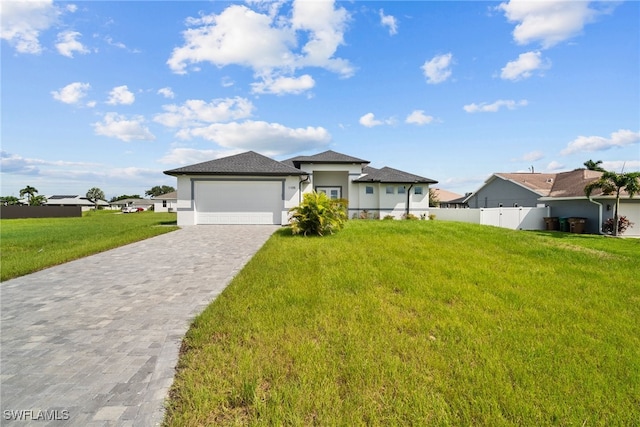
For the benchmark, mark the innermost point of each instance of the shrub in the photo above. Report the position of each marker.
(432, 217)
(623, 224)
(389, 217)
(318, 214)
(409, 216)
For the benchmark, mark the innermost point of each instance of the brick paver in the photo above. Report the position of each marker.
(94, 342)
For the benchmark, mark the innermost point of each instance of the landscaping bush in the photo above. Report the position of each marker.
(623, 224)
(318, 214)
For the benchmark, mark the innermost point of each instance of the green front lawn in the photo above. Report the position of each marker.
(31, 244)
(420, 323)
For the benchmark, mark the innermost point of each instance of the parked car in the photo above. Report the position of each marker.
(129, 209)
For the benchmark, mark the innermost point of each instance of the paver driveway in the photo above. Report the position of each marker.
(94, 342)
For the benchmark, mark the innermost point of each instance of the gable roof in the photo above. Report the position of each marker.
(540, 183)
(390, 175)
(328, 156)
(249, 163)
(571, 184)
(166, 196)
(448, 196)
(74, 200)
(553, 185)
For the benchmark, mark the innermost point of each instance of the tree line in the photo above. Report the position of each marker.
(94, 195)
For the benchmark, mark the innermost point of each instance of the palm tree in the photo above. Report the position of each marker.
(94, 194)
(594, 166)
(29, 191)
(611, 182)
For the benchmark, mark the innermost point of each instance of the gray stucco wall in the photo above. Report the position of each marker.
(577, 208)
(503, 192)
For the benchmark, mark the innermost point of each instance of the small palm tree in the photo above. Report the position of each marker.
(29, 191)
(610, 183)
(594, 166)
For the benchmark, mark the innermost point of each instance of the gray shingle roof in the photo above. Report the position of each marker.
(249, 163)
(391, 175)
(328, 156)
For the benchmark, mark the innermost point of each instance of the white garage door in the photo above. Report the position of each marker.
(238, 202)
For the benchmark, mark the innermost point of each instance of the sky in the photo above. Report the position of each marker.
(111, 94)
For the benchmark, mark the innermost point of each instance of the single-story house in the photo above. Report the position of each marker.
(250, 188)
(165, 202)
(449, 200)
(562, 192)
(74, 200)
(145, 204)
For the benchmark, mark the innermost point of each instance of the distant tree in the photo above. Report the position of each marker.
(434, 202)
(9, 200)
(94, 194)
(610, 183)
(159, 190)
(125, 196)
(594, 166)
(29, 191)
(38, 201)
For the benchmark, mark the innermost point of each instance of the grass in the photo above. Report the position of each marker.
(29, 245)
(419, 323)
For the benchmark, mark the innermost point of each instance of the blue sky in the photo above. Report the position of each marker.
(110, 94)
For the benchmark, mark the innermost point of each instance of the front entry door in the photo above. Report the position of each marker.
(333, 192)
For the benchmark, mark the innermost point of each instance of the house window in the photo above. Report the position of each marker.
(390, 189)
(333, 192)
(418, 190)
(368, 189)
(401, 190)
(164, 203)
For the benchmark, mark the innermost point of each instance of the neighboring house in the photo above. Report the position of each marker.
(132, 203)
(250, 188)
(562, 192)
(165, 202)
(83, 202)
(449, 200)
(512, 190)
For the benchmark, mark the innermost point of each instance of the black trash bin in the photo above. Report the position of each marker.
(564, 224)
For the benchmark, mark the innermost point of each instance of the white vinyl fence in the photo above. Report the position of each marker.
(520, 218)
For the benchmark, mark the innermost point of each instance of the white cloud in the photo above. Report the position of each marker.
(549, 22)
(619, 139)
(68, 44)
(187, 156)
(121, 95)
(72, 93)
(554, 166)
(21, 23)
(437, 69)
(166, 92)
(495, 106)
(267, 43)
(622, 165)
(284, 85)
(271, 139)
(324, 26)
(369, 120)
(417, 117)
(16, 164)
(530, 157)
(237, 36)
(118, 126)
(389, 21)
(196, 112)
(524, 66)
